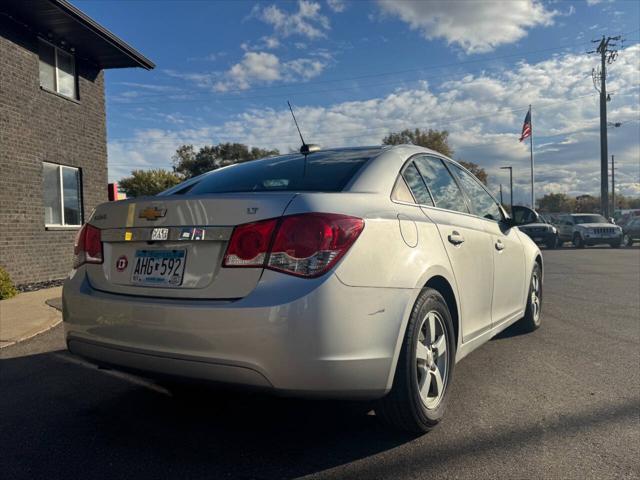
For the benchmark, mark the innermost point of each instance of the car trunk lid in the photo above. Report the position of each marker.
(173, 247)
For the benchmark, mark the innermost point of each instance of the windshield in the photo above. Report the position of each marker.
(589, 219)
(327, 171)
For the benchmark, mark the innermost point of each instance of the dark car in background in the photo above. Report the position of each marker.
(631, 232)
(623, 219)
(541, 231)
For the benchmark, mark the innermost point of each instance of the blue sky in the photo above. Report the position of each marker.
(358, 70)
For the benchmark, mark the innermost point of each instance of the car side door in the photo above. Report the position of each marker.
(466, 242)
(565, 227)
(508, 252)
(634, 228)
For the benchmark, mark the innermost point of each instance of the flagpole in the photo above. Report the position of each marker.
(533, 197)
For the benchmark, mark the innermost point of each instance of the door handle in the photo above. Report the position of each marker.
(499, 245)
(455, 238)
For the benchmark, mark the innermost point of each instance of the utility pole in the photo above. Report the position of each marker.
(613, 185)
(501, 202)
(608, 54)
(510, 186)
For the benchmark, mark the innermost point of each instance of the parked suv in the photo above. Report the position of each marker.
(631, 232)
(584, 229)
(536, 227)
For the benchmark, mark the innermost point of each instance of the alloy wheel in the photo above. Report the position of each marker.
(535, 296)
(432, 360)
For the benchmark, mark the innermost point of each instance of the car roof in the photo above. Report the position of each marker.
(381, 171)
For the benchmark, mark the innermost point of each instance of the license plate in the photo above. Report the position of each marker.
(159, 268)
(159, 234)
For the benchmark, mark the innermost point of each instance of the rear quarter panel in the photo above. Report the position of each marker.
(384, 255)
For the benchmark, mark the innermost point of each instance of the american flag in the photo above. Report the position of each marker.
(526, 128)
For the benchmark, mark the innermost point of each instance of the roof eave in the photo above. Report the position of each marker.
(105, 34)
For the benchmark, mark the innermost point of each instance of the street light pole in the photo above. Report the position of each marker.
(510, 185)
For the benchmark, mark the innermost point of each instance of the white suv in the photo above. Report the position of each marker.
(361, 273)
(584, 229)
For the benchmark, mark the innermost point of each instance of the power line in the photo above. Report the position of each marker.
(475, 147)
(318, 82)
(368, 132)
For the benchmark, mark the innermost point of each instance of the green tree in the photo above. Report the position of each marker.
(190, 163)
(148, 182)
(437, 140)
(556, 202)
(476, 169)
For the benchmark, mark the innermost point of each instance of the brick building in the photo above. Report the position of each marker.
(53, 152)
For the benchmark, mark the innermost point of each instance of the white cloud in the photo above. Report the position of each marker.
(210, 57)
(258, 68)
(483, 112)
(265, 43)
(337, 6)
(475, 26)
(307, 21)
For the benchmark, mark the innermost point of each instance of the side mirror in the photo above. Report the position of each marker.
(612, 220)
(507, 221)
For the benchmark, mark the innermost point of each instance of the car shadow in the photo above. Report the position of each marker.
(65, 420)
(66, 417)
(514, 330)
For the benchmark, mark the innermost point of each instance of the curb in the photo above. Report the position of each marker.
(55, 303)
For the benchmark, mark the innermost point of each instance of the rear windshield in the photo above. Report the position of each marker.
(328, 171)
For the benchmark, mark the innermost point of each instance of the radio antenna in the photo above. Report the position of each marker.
(297, 127)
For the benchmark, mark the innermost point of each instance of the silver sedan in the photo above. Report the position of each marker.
(362, 273)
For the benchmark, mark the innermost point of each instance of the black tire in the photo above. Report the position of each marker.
(532, 320)
(551, 244)
(577, 241)
(628, 240)
(403, 407)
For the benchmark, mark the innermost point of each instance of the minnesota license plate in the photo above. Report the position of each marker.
(159, 268)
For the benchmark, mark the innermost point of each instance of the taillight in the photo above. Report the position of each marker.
(249, 244)
(88, 246)
(305, 245)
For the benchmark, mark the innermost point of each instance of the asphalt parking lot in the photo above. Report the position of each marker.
(563, 402)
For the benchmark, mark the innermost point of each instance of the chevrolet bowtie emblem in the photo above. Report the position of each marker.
(152, 213)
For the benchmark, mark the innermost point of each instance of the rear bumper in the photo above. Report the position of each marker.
(304, 337)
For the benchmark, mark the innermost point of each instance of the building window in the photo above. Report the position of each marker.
(57, 70)
(62, 195)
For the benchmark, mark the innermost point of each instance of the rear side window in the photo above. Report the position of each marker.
(483, 204)
(328, 171)
(416, 184)
(442, 185)
(401, 191)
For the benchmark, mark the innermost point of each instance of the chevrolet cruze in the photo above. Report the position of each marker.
(360, 273)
